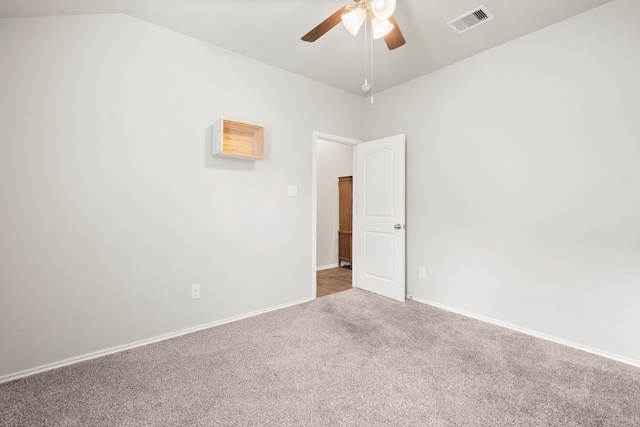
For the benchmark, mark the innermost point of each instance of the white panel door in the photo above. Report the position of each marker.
(379, 206)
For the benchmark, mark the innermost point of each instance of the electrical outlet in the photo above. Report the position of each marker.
(195, 291)
(422, 273)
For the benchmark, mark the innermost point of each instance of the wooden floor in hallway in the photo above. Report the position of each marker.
(332, 280)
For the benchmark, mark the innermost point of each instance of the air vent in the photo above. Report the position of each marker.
(470, 20)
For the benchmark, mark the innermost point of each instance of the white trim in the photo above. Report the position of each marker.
(551, 338)
(327, 267)
(320, 136)
(96, 354)
(335, 138)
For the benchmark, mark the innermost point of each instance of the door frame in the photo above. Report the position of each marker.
(321, 136)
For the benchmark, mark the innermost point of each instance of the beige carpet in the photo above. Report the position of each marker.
(349, 359)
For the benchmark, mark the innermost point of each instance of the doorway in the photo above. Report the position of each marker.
(332, 158)
(333, 280)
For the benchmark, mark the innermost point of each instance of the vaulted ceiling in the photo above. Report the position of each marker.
(270, 31)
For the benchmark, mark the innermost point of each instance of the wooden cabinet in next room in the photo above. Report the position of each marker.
(345, 191)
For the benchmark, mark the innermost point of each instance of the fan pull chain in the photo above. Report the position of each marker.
(365, 87)
(368, 60)
(371, 56)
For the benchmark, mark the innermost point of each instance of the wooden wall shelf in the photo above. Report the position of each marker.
(235, 139)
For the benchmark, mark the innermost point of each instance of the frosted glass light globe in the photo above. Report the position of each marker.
(353, 20)
(380, 28)
(383, 9)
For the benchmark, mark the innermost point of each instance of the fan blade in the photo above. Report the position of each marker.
(326, 25)
(394, 39)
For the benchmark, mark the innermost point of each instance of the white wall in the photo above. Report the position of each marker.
(333, 160)
(111, 207)
(523, 180)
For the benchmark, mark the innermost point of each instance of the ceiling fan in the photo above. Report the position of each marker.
(378, 12)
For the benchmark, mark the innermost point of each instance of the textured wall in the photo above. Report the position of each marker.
(111, 207)
(523, 180)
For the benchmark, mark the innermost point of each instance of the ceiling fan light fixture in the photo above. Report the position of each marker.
(383, 9)
(380, 27)
(353, 20)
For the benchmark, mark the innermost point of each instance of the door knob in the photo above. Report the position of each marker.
(398, 226)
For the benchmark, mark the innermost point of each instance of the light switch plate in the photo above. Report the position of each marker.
(292, 190)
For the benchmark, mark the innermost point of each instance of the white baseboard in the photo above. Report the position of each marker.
(326, 267)
(597, 352)
(96, 354)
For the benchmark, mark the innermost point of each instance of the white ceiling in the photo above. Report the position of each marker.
(270, 31)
